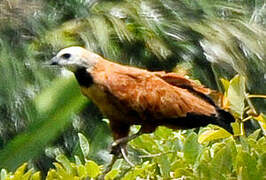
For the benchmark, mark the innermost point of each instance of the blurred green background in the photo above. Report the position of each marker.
(42, 109)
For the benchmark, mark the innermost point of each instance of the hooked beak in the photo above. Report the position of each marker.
(53, 61)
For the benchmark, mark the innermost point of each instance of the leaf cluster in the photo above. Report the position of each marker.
(168, 154)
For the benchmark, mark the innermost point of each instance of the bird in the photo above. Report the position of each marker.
(129, 96)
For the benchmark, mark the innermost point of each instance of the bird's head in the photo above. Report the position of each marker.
(74, 58)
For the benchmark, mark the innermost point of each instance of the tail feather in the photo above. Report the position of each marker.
(224, 119)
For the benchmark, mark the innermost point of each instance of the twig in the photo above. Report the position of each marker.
(250, 103)
(247, 118)
(256, 96)
(155, 155)
(108, 168)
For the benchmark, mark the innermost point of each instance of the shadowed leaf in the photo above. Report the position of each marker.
(53, 116)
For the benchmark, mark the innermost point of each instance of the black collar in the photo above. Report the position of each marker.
(83, 77)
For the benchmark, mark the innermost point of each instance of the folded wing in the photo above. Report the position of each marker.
(153, 95)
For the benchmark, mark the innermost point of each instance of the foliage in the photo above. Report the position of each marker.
(169, 154)
(52, 116)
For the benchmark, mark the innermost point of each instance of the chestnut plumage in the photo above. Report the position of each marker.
(129, 95)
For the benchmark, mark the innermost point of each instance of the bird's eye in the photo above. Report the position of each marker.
(66, 56)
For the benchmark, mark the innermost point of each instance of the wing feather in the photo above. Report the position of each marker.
(181, 81)
(152, 95)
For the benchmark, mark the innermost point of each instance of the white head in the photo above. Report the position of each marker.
(74, 58)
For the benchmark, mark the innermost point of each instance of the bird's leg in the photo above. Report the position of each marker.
(125, 140)
(119, 146)
(123, 150)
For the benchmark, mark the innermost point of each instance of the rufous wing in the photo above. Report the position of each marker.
(180, 81)
(149, 94)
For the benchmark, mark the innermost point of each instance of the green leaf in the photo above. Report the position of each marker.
(27, 175)
(77, 160)
(164, 165)
(54, 106)
(226, 85)
(247, 167)
(179, 163)
(92, 169)
(210, 135)
(261, 144)
(237, 128)
(262, 121)
(262, 164)
(112, 174)
(36, 176)
(255, 135)
(145, 142)
(3, 174)
(84, 145)
(144, 170)
(51, 175)
(204, 170)
(81, 170)
(236, 95)
(191, 148)
(221, 163)
(163, 133)
(183, 172)
(20, 171)
(61, 172)
(66, 163)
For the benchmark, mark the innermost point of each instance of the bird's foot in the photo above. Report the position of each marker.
(116, 149)
(120, 150)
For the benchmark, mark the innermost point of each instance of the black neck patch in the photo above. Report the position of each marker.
(84, 77)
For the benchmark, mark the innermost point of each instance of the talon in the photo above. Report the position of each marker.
(119, 150)
(114, 144)
(124, 154)
(116, 150)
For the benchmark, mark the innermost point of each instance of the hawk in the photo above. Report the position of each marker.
(133, 96)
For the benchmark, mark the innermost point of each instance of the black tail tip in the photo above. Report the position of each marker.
(225, 119)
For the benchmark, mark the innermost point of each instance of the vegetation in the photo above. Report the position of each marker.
(221, 43)
(168, 154)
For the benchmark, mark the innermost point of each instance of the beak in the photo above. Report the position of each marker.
(53, 61)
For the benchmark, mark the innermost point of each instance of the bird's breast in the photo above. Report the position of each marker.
(108, 104)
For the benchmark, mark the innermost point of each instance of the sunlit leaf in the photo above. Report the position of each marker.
(236, 95)
(112, 174)
(255, 134)
(92, 169)
(66, 163)
(51, 175)
(36, 176)
(81, 170)
(210, 135)
(237, 128)
(27, 174)
(77, 160)
(226, 85)
(84, 145)
(262, 121)
(20, 171)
